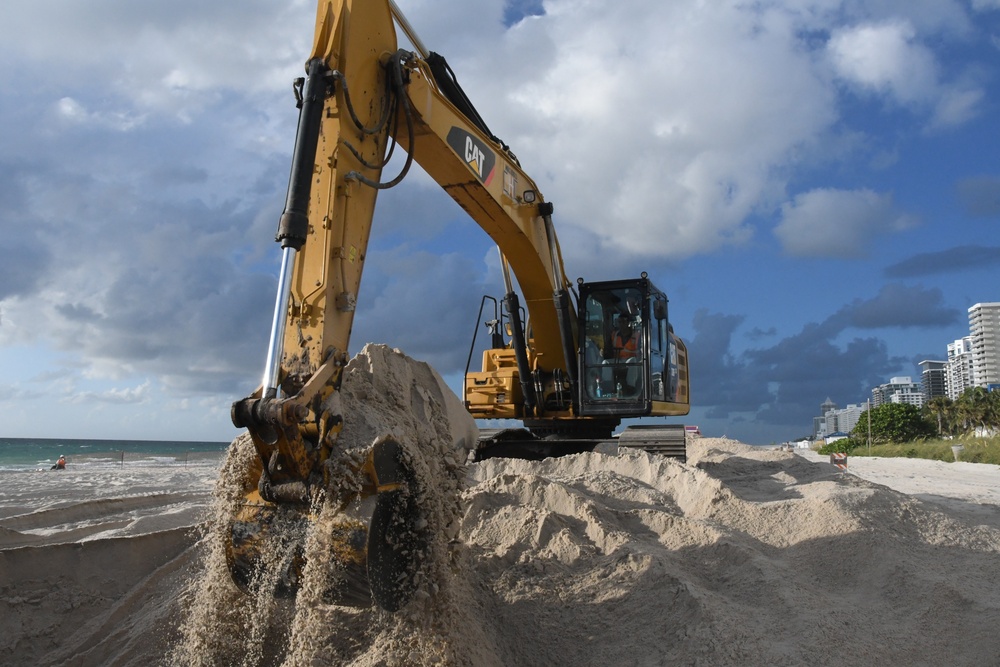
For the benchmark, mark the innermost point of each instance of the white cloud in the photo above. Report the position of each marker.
(837, 223)
(166, 59)
(890, 59)
(885, 58)
(956, 106)
(73, 112)
(660, 136)
(118, 396)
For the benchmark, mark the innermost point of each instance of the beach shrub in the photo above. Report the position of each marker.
(842, 446)
(893, 422)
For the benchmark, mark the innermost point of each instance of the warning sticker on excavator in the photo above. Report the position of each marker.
(509, 182)
(477, 155)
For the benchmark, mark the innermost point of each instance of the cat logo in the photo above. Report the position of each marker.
(477, 155)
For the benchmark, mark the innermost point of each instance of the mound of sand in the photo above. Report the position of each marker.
(741, 556)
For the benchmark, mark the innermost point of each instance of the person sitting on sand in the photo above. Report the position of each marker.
(60, 464)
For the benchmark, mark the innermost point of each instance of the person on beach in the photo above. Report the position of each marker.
(60, 464)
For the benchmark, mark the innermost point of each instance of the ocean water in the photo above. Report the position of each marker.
(23, 454)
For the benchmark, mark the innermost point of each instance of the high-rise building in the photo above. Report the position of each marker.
(984, 329)
(959, 375)
(844, 420)
(898, 390)
(932, 378)
(820, 428)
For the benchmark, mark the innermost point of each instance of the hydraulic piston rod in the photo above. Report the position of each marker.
(272, 366)
(294, 223)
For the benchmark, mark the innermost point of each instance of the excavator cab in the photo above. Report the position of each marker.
(630, 362)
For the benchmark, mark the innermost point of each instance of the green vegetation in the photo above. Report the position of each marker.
(892, 422)
(903, 430)
(975, 450)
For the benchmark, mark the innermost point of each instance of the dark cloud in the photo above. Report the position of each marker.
(782, 385)
(980, 197)
(77, 312)
(723, 383)
(423, 303)
(24, 257)
(23, 260)
(757, 333)
(952, 260)
(900, 306)
(805, 368)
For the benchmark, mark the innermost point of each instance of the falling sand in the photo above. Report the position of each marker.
(741, 556)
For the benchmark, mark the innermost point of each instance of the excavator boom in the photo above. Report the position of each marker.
(360, 99)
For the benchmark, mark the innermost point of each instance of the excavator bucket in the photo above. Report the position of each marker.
(370, 540)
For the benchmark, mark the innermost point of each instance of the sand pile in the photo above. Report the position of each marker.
(385, 394)
(741, 556)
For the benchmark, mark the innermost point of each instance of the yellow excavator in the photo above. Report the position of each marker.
(568, 361)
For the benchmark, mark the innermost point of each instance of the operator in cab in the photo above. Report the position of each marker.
(625, 341)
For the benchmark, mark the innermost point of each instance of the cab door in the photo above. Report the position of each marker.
(615, 351)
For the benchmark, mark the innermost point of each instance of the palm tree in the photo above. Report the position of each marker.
(993, 410)
(973, 407)
(939, 406)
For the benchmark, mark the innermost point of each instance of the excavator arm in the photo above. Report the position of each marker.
(363, 97)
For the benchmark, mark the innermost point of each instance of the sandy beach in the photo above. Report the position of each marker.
(93, 562)
(742, 556)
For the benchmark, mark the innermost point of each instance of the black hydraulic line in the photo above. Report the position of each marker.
(560, 298)
(513, 306)
(293, 226)
(378, 127)
(448, 84)
(395, 73)
(475, 332)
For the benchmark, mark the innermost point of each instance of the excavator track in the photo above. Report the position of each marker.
(666, 440)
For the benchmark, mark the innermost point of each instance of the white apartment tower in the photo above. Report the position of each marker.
(984, 329)
(959, 373)
(898, 390)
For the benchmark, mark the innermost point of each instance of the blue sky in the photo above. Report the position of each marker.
(814, 183)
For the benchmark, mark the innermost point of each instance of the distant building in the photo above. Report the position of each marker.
(834, 437)
(836, 420)
(819, 423)
(846, 419)
(959, 372)
(932, 378)
(898, 390)
(984, 329)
